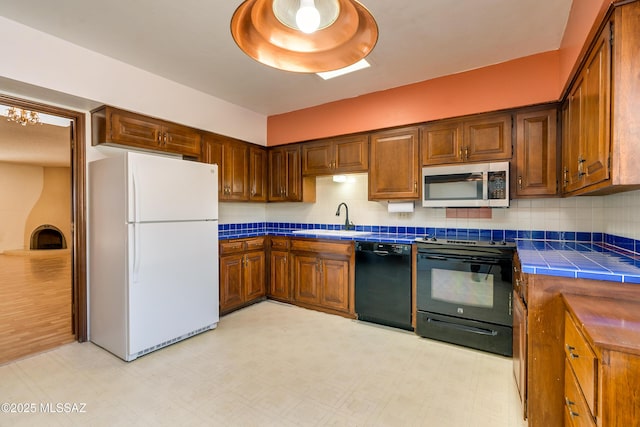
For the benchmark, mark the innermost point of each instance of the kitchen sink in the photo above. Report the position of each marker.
(340, 233)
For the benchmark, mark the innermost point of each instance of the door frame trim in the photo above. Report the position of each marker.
(78, 202)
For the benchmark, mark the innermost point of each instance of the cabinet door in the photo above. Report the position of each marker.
(573, 137)
(293, 174)
(134, 130)
(257, 174)
(536, 154)
(231, 294)
(351, 154)
(236, 171)
(335, 284)
(317, 158)
(279, 283)
(520, 349)
(213, 153)
(277, 173)
(306, 279)
(596, 112)
(487, 138)
(182, 140)
(394, 165)
(254, 275)
(441, 143)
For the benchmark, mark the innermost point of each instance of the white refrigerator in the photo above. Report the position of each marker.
(153, 252)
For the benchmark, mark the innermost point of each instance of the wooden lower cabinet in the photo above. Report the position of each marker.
(322, 275)
(520, 349)
(306, 279)
(602, 361)
(279, 286)
(618, 372)
(242, 273)
(335, 284)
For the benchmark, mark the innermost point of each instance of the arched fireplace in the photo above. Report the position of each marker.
(47, 237)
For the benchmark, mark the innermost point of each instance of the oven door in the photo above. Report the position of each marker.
(469, 283)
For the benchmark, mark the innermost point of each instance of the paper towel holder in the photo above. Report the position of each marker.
(400, 207)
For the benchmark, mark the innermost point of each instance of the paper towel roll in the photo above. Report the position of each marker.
(398, 207)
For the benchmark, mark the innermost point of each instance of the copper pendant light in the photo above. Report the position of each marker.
(266, 32)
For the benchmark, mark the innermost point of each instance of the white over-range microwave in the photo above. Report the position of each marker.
(467, 185)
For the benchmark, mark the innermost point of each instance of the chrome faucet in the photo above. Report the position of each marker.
(347, 224)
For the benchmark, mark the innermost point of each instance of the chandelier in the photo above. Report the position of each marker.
(305, 36)
(22, 117)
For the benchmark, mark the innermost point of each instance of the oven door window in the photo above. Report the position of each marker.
(463, 186)
(465, 286)
(473, 289)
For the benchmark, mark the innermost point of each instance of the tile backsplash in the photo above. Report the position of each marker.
(613, 214)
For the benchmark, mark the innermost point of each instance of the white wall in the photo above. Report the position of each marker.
(38, 59)
(621, 214)
(615, 214)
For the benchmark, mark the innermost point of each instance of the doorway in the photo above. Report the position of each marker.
(42, 236)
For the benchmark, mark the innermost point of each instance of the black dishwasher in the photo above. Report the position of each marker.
(383, 284)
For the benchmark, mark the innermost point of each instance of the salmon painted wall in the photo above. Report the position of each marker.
(530, 80)
(583, 17)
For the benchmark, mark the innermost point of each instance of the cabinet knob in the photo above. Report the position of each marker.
(466, 153)
(520, 182)
(415, 186)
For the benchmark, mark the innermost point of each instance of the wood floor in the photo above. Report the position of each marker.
(35, 303)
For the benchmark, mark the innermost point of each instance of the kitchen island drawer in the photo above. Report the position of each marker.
(582, 360)
(577, 409)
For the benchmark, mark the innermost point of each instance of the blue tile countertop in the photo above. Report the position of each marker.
(555, 253)
(587, 260)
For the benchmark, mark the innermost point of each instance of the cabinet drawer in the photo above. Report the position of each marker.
(280, 243)
(582, 360)
(254, 243)
(322, 247)
(577, 412)
(231, 246)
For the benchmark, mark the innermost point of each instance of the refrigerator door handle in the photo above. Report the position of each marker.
(136, 252)
(134, 196)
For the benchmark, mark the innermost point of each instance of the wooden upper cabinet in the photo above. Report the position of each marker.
(317, 158)
(480, 138)
(213, 153)
(258, 174)
(441, 143)
(536, 159)
(597, 102)
(347, 154)
(242, 168)
(114, 126)
(132, 129)
(181, 139)
(394, 170)
(586, 121)
(286, 183)
(487, 138)
(600, 126)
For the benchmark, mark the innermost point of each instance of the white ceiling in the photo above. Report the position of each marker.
(189, 41)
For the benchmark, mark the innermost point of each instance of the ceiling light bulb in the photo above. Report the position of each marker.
(308, 17)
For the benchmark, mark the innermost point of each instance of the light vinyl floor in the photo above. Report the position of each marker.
(269, 364)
